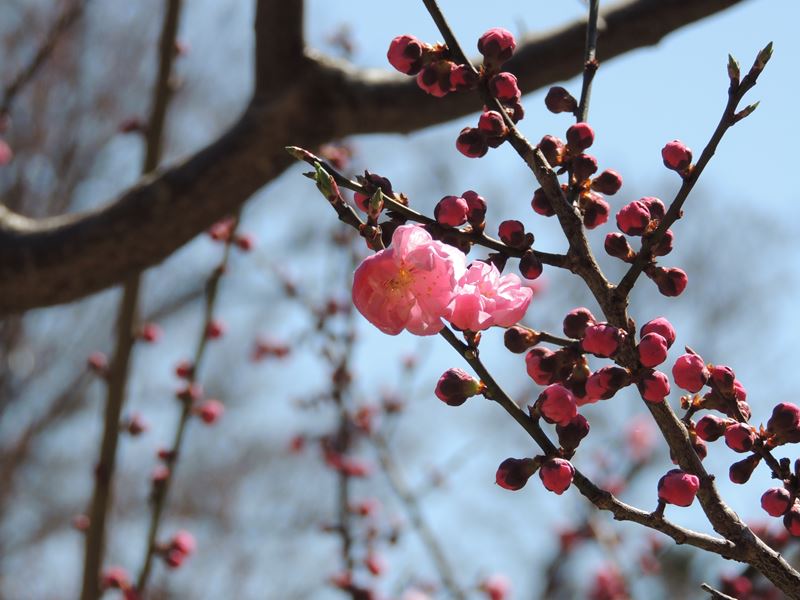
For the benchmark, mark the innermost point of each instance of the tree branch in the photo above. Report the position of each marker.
(60, 259)
(279, 43)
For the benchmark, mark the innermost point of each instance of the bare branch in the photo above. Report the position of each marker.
(60, 259)
(279, 43)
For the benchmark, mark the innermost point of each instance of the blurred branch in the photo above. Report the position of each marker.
(126, 327)
(161, 490)
(279, 43)
(416, 517)
(59, 259)
(28, 72)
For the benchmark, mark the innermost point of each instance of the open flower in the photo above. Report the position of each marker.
(410, 284)
(485, 298)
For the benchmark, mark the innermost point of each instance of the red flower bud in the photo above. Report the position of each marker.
(660, 326)
(608, 182)
(655, 206)
(670, 282)
(472, 143)
(434, 78)
(556, 404)
(633, 218)
(784, 423)
(455, 386)
(215, 329)
(791, 520)
(602, 340)
(741, 471)
(476, 207)
(553, 150)
(556, 474)
(115, 578)
(740, 437)
(513, 473)
(512, 233)
(571, 434)
(776, 501)
(405, 54)
(617, 246)
(583, 167)
(519, 339)
(690, 372)
(678, 487)
(497, 45)
(97, 363)
(542, 365)
(183, 541)
(541, 205)
(491, 124)
(652, 350)
(654, 386)
(530, 267)
(184, 369)
(210, 411)
(463, 79)
(664, 246)
(150, 333)
(576, 322)
(503, 86)
(451, 211)
(580, 137)
(595, 210)
(606, 382)
(559, 100)
(710, 428)
(676, 156)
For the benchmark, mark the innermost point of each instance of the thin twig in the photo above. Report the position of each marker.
(126, 324)
(716, 594)
(589, 62)
(416, 516)
(29, 71)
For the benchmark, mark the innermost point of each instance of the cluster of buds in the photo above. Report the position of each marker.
(179, 547)
(224, 232)
(436, 73)
(556, 473)
(569, 156)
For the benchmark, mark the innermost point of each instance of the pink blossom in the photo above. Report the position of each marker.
(485, 298)
(410, 284)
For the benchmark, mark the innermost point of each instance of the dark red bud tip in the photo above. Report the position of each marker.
(776, 501)
(541, 205)
(576, 322)
(530, 266)
(671, 282)
(580, 137)
(662, 327)
(710, 428)
(405, 54)
(491, 123)
(678, 487)
(553, 150)
(633, 218)
(503, 86)
(451, 211)
(741, 471)
(571, 434)
(463, 79)
(435, 78)
(476, 205)
(617, 246)
(602, 340)
(654, 386)
(583, 167)
(556, 475)
(676, 156)
(512, 233)
(211, 411)
(559, 100)
(557, 404)
(542, 365)
(595, 210)
(455, 386)
(740, 437)
(472, 143)
(497, 45)
(513, 473)
(519, 339)
(791, 520)
(608, 182)
(652, 350)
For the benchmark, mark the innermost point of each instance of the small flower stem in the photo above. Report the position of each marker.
(589, 62)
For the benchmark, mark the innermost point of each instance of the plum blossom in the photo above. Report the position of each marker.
(485, 298)
(410, 284)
